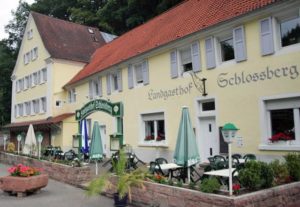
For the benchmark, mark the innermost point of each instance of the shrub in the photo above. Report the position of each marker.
(210, 185)
(11, 147)
(293, 165)
(281, 173)
(256, 175)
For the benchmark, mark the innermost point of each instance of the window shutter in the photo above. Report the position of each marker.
(239, 44)
(145, 70)
(100, 86)
(266, 37)
(119, 77)
(108, 85)
(210, 53)
(91, 89)
(196, 57)
(130, 76)
(174, 64)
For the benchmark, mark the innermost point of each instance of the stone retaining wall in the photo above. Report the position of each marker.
(158, 195)
(63, 173)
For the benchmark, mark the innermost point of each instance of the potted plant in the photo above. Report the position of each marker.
(121, 180)
(23, 179)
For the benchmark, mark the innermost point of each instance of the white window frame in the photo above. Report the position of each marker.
(180, 64)
(43, 105)
(276, 21)
(228, 34)
(114, 82)
(279, 102)
(43, 75)
(28, 108)
(29, 34)
(34, 79)
(136, 82)
(26, 82)
(34, 53)
(35, 106)
(72, 95)
(21, 109)
(152, 116)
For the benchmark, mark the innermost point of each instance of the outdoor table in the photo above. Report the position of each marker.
(168, 166)
(242, 161)
(221, 173)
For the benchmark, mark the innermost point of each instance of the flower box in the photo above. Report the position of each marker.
(23, 185)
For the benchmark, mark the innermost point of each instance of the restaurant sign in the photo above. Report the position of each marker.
(114, 109)
(236, 79)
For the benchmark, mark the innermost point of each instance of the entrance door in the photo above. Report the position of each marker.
(209, 142)
(104, 140)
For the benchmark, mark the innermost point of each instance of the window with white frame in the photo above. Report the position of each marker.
(26, 84)
(36, 106)
(20, 85)
(26, 58)
(114, 82)
(153, 126)
(95, 88)
(21, 109)
(138, 74)
(44, 75)
(282, 120)
(226, 48)
(185, 59)
(28, 108)
(34, 53)
(43, 105)
(34, 79)
(72, 95)
(16, 111)
(29, 34)
(39, 76)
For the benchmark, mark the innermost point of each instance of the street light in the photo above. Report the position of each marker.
(229, 131)
(19, 138)
(5, 137)
(40, 139)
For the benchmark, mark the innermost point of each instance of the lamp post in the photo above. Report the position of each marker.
(5, 137)
(229, 131)
(19, 138)
(40, 139)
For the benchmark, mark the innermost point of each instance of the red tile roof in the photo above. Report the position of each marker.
(67, 40)
(186, 18)
(48, 121)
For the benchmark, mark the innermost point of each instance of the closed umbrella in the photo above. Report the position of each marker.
(84, 137)
(30, 142)
(96, 150)
(186, 151)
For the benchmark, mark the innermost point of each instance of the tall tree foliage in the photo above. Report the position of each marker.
(7, 62)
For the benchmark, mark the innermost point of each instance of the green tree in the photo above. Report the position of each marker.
(7, 62)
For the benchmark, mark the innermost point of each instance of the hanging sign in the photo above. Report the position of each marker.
(114, 109)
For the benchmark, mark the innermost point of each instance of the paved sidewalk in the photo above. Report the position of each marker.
(56, 194)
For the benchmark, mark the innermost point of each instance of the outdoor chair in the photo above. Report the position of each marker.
(70, 155)
(249, 157)
(220, 162)
(161, 160)
(195, 175)
(238, 156)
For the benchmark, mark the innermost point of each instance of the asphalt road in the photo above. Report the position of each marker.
(55, 194)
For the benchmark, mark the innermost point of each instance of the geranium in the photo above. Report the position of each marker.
(280, 136)
(236, 188)
(24, 171)
(149, 137)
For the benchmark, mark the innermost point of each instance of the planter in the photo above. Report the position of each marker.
(23, 185)
(120, 202)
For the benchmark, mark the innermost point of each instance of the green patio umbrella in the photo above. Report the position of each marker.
(186, 151)
(96, 149)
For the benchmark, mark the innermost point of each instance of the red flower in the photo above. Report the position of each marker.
(280, 136)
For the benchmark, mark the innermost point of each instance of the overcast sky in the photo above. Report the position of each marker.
(5, 13)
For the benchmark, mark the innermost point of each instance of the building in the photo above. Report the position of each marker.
(249, 54)
(51, 53)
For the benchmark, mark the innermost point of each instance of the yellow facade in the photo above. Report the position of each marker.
(237, 88)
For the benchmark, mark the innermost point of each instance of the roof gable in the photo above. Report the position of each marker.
(67, 40)
(184, 19)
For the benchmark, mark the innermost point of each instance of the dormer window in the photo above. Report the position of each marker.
(186, 59)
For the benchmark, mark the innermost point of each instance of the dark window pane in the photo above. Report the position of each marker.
(227, 49)
(187, 67)
(149, 130)
(160, 130)
(282, 122)
(290, 32)
(208, 106)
